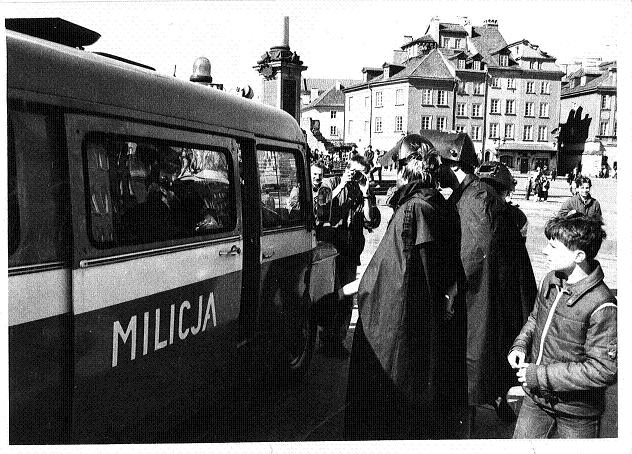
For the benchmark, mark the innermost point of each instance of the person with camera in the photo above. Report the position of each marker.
(351, 209)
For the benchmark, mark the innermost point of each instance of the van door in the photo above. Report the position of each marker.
(156, 278)
(286, 245)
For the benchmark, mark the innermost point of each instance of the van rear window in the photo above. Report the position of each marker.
(143, 191)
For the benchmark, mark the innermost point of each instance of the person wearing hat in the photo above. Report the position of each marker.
(407, 377)
(490, 243)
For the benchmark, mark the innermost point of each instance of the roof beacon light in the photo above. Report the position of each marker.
(201, 71)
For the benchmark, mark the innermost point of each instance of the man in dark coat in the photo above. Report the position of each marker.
(407, 371)
(501, 288)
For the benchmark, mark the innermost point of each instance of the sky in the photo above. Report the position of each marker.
(335, 39)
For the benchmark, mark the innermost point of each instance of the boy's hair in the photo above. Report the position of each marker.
(421, 168)
(581, 180)
(577, 232)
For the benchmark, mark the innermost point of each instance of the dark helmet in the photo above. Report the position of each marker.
(498, 172)
(413, 143)
(405, 147)
(456, 147)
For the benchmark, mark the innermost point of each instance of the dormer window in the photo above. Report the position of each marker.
(457, 43)
(461, 63)
(386, 72)
(476, 65)
(446, 42)
(504, 60)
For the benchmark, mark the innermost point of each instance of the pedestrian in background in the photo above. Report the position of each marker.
(582, 201)
(407, 377)
(566, 353)
(529, 187)
(489, 244)
(571, 179)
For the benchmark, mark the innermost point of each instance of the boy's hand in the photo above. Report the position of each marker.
(516, 358)
(522, 374)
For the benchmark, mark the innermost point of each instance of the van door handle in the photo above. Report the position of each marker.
(267, 255)
(233, 251)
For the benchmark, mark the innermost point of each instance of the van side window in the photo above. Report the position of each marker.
(142, 190)
(282, 189)
(39, 208)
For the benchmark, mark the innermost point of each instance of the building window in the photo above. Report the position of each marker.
(333, 131)
(476, 65)
(350, 99)
(461, 109)
(446, 42)
(603, 128)
(333, 114)
(504, 60)
(462, 90)
(399, 97)
(494, 107)
(476, 110)
(476, 133)
(532, 65)
(614, 129)
(542, 134)
(527, 133)
(509, 131)
(378, 124)
(441, 123)
(510, 107)
(539, 65)
(457, 43)
(366, 101)
(366, 127)
(399, 123)
(461, 63)
(350, 128)
(378, 99)
(545, 88)
(478, 88)
(493, 130)
(426, 96)
(544, 109)
(426, 122)
(530, 88)
(441, 98)
(511, 84)
(605, 101)
(495, 82)
(528, 109)
(460, 128)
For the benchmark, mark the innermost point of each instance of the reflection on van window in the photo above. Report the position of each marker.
(282, 192)
(39, 209)
(143, 191)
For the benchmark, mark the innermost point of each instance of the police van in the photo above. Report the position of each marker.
(160, 240)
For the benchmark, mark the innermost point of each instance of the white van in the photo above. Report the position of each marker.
(160, 244)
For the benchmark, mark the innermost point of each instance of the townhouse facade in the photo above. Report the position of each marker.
(588, 119)
(323, 112)
(464, 78)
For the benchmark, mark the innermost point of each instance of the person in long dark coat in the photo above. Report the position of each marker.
(501, 289)
(407, 371)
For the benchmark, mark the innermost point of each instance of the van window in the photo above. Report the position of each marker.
(282, 189)
(142, 191)
(39, 208)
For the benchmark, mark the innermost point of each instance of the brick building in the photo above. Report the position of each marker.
(464, 78)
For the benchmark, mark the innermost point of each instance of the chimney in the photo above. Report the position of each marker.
(407, 39)
(313, 94)
(399, 56)
(489, 23)
(337, 87)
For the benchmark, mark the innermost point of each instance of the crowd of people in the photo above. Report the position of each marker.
(450, 315)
